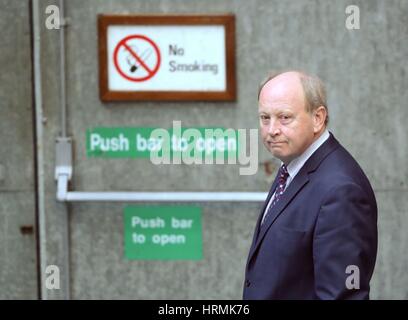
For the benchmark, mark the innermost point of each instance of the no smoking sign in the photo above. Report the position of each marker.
(166, 58)
(137, 58)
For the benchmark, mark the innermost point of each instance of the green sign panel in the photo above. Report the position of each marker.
(143, 142)
(163, 232)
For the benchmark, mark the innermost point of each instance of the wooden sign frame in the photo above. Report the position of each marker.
(227, 21)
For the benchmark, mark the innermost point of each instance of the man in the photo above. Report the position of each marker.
(316, 237)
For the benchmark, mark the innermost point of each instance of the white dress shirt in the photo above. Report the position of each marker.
(296, 164)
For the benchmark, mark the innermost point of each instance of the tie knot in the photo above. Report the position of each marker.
(283, 173)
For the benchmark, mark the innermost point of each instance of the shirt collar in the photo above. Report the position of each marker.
(296, 164)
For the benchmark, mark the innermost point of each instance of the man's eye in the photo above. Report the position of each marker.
(264, 117)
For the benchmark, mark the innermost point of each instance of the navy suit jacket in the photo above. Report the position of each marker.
(324, 222)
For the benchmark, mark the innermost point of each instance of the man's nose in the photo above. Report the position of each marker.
(274, 128)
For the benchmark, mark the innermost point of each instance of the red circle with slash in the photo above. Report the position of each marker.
(150, 71)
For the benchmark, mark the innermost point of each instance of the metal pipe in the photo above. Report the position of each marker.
(62, 187)
(63, 183)
(63, 100)
(76, 196)
(125, 196)
(39, 144)
(65, 178)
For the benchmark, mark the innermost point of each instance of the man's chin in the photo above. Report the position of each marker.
(278, 151)
(277, 154)
(281, 156)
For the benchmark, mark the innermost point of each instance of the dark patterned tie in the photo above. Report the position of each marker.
(283, 175)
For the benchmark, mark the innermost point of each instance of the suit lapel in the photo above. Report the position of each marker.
(256, 232)
(300, 180)
(295, 186)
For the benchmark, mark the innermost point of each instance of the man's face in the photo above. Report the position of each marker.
(286, 126)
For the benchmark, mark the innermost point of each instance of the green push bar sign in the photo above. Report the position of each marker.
(163, 233)
(141, 142)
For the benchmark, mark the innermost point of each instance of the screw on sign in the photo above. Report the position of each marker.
(137, 58)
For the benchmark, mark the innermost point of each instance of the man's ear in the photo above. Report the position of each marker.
(319, 118)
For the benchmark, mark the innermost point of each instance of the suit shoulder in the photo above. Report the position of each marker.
(340, 168)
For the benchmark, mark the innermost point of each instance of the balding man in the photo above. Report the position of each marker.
(316, 236)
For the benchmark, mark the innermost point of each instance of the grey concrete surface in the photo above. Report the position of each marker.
(365, 72)
(18, 257)
(226, 230)
(18, 272)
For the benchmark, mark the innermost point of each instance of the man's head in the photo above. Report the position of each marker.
(292, 113)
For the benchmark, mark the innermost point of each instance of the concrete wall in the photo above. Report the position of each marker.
(366, 77)
(18, 269)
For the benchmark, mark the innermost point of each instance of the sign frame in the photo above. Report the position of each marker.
(227, 21)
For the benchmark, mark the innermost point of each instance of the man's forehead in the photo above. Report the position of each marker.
(285, 87)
